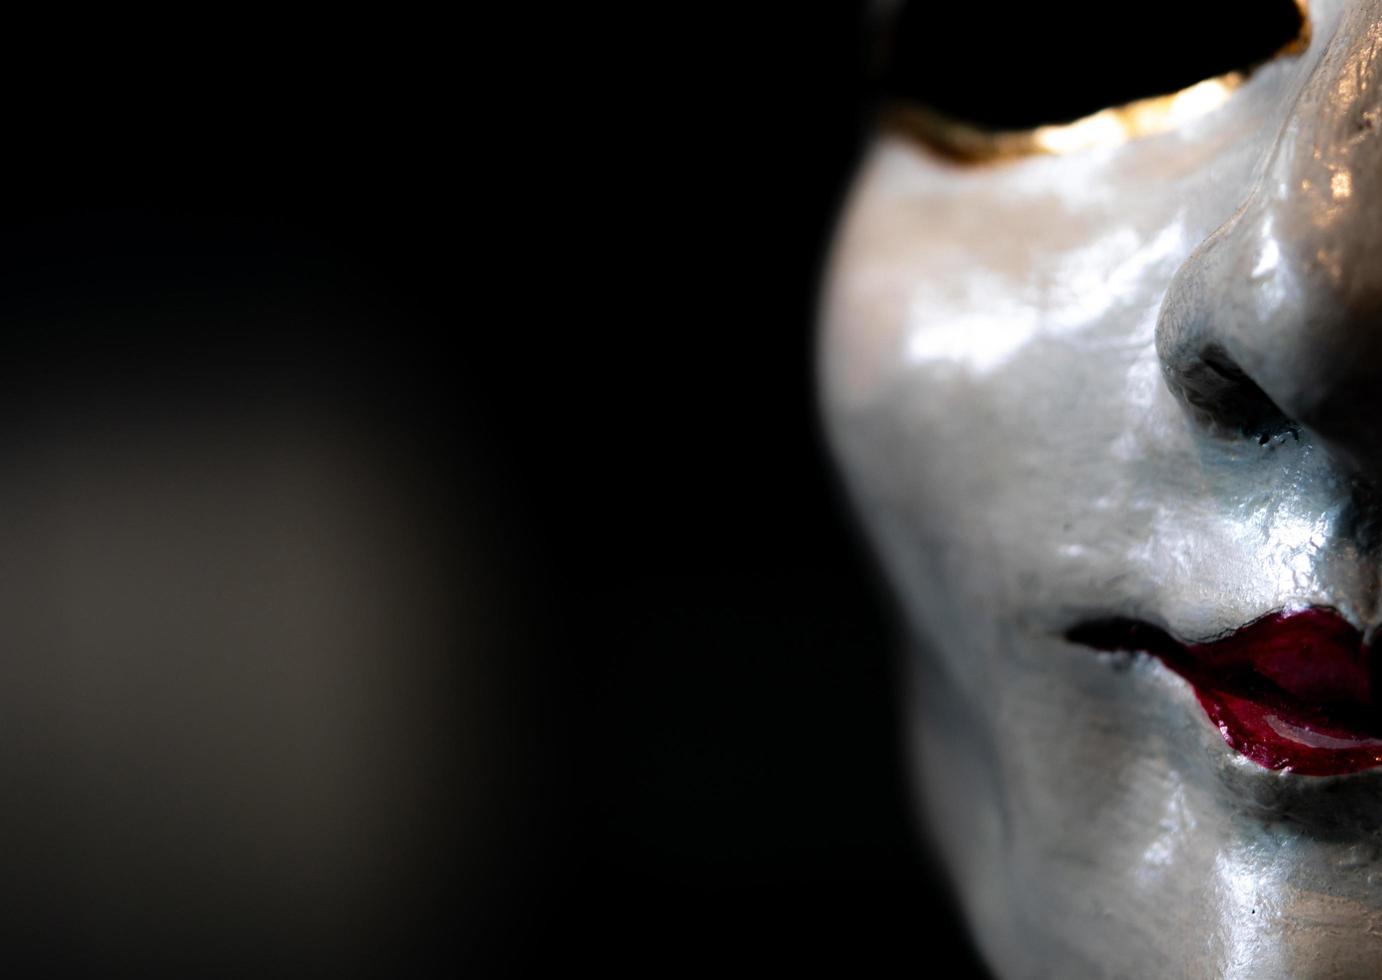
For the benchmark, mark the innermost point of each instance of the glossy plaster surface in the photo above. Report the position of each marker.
(1013, 381)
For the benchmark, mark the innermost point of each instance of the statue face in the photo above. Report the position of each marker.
(1112, 419)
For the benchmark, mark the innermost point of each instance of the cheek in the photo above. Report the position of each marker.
(994, 434)
(992, 385)
(868, 288)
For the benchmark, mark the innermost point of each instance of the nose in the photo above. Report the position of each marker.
(1274, 323)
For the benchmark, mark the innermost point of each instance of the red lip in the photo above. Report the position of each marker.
(1295, 691)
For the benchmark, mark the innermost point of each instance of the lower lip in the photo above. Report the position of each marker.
(1293, 691)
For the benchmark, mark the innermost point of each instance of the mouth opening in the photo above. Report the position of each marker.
(1295, 691)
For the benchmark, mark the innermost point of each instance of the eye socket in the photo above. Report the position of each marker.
(979, 80)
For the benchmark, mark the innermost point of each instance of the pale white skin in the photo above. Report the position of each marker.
(993, 389)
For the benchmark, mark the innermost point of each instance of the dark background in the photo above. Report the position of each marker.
(730, 784)
(420, 551)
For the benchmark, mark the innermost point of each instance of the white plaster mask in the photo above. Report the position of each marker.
(1099, 409)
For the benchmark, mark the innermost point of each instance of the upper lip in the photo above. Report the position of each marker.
(1297, 690)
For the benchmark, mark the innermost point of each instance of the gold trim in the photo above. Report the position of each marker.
(968, 143)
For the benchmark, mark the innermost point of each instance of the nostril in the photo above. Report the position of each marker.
(1203, 341)
(1227, 399)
